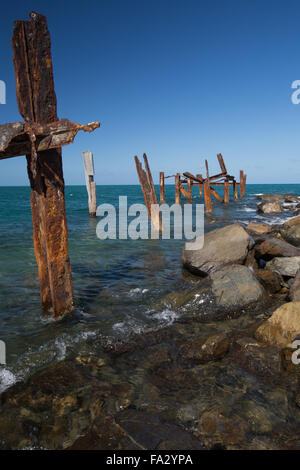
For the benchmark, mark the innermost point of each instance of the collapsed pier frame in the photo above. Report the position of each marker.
(206, 186)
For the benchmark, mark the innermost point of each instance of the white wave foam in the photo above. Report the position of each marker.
(249, 209)
(7, 379)
(137, 290)
(166, 316)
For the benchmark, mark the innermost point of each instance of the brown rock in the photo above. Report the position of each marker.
(274, 247)
(295, 288)
(271, 280)
(215, 347)
(258, 228)
(282, 327)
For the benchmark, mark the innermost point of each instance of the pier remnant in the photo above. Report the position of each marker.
(206, 185)
(40, 137)
(147, 185)
(89, 170)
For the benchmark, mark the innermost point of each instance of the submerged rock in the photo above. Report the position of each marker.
(285, 266)
(223, 246)
(256, 357)
(215, 347)
(269, 207)
(236, 286)
(282, 327)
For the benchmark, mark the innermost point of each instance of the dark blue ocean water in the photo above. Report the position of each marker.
(119, 285)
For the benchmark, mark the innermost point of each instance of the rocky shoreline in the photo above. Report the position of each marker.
(220, 377)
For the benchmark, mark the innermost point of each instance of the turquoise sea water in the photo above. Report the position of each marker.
(119, 285)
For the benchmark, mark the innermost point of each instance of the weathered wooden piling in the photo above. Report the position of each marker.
(147, 185)
(235, 191)
(189, 189)
(207, 196)
(162, 187)
(40, 138)
(200, 184)
(89, 170)
(243, 178)
(177, 189)
(226, 192)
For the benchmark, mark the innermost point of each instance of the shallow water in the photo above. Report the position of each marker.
(119, 285)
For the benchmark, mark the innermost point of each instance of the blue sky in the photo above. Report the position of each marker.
(179, 80)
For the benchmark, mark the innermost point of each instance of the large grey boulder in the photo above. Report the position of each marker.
(285, 266)
(223, 246)
(236, 286)
(269, 207)
(292, 234)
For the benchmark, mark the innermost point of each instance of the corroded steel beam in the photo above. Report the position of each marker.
(16, 139)
(37, 104)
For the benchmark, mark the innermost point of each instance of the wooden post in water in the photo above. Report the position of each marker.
(162, 187)
(242, 183)
(235, 191)
(177, 189)
(40, 137)
(207, 196)
(226, 191)
(88, 162)
(200, 184)
(147, 185)
(189, 190)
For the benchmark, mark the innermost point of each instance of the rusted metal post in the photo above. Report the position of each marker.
(148, 190)
(226, 192)
(242, 183)
(200, 184)
(37, 103)
(222, 164)
(89, 171)
(162, 187)
(235, 191)
(189, 189)
(216, 195)
(177, 189)
(207, 197)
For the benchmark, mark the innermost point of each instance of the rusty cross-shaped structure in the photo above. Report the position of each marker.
(40, 137)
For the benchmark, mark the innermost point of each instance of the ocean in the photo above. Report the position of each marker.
(119, 285)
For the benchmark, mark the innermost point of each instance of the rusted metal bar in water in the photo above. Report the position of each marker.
(207, 197)
(235, 191)
(189, 190)
(226, 192)
(89, 171)
(162, 187)
(148, 190)
(222, 164)
(177, 189)
(199, 176)
(216, 195)
(242, 183)
(37, 104)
